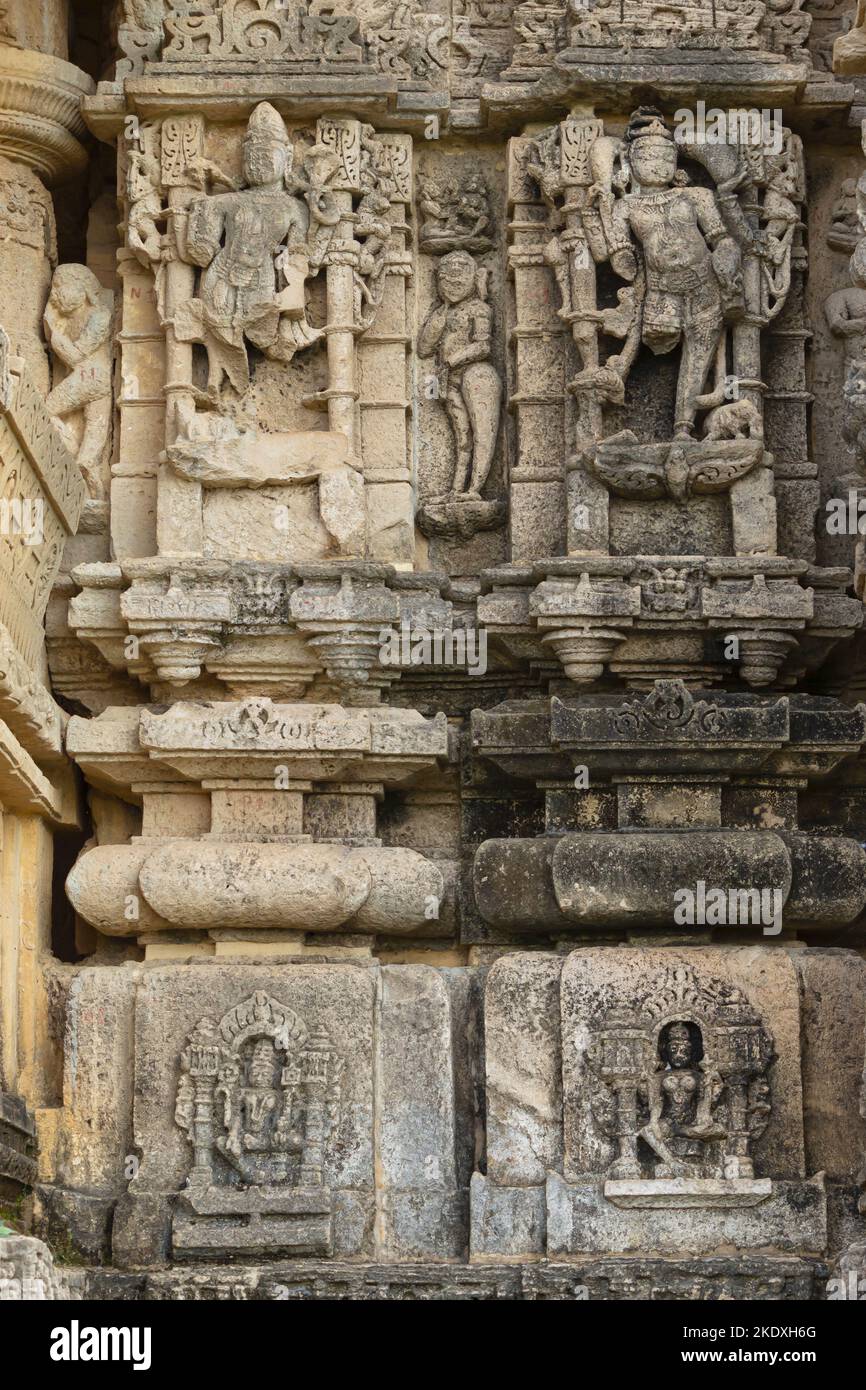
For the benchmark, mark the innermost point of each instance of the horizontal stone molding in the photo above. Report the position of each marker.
(23, 787)
(625, 1279)
(123, 890)
(601, 879)
(198, 742)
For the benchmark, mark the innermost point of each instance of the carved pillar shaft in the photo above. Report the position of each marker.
(141, 413)
(311, 1157)
(576, 140)
(542, 351)
(179, 506)
(747, 333)
(786, 422)
(40, 122)
(342, 391)
(626, 1163)
(737, 1144)
(202, 1129)
(382, 376)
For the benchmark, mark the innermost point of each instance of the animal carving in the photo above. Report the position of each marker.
(733, 420)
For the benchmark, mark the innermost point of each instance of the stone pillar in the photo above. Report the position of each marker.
(382, 375)
(40, 122)
(786, 424)
(344, 137)
(42, 494)
(179, 506)
(537, 479)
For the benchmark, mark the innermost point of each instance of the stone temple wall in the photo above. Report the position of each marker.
(433, 456)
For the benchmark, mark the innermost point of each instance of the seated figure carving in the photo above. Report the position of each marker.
(682, 1095)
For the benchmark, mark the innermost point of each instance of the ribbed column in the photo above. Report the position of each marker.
(542, 356)
(40, 122)
(344, 137)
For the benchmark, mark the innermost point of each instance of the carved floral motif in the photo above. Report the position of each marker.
(668, 706)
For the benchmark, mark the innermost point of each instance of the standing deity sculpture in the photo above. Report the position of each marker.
(703, 234)
(693, 265)
(458, 332)
(233, 251)
(252, 246)
(78, 323)
(457, 228)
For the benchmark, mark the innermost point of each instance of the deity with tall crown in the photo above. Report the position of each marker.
(693, 264)
(252, 246)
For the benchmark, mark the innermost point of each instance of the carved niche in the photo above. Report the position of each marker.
(259, 1100)
(271, 252)
(682, 1090)
(698, 242)
(458, 335)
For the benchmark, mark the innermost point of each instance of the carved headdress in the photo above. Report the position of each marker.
(265, 128)
(647, 122)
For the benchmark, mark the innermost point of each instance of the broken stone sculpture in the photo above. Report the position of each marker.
(251, 245)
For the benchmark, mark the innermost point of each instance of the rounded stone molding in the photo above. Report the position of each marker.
(103, 887)
(304, 887)
(618, 880)
(625, 879)
(123, 890)
(40, 112)
(598, 877)
(405, 894)
(828, 879)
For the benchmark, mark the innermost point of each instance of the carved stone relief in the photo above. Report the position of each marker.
(258, 1097)
(683, 1084)
(422, 632)
(78, 327)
